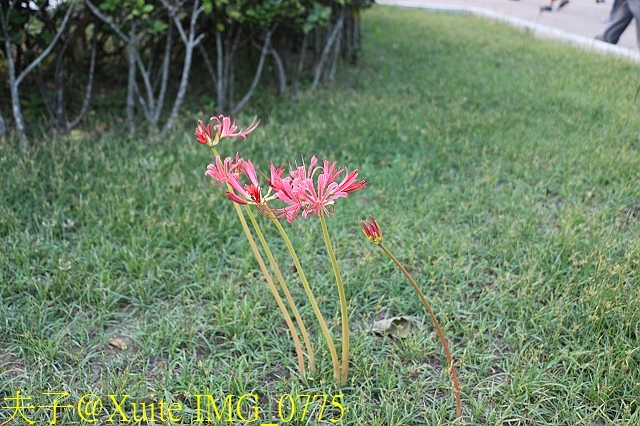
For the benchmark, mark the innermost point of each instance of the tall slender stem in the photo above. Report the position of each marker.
(285, 289)
(312, 299)
(272, 287)
(454, 376)
(343, 302)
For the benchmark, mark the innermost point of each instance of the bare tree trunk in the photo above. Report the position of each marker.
(190, 42)
(230, 69)
(281, 75)
(131, 85)
(354, 37)
(280, 72)
(226, 50)
(207, 63)
(298, 71)
(325, 53)
(46, 98)
(221, 90)
(3, 128)
(55, 103)
(23, 142)
(132, 54)
(334, 61)
(349, 28)
(151, 106)
(256, 78)
(87, 95)
(164, 82)
(14, 81)
(59, 88)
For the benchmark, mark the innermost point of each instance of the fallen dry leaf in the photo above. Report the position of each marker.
(118, 343)
(396, 326)
(77, 134)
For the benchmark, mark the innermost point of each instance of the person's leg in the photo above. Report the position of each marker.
(614, 7)
(547, 8)
(607, 19)
(620, 22)
(634, 8)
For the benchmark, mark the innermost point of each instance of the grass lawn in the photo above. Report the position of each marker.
(502, 169)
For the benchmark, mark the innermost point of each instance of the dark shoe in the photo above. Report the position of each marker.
(563, 4)
(545, 9)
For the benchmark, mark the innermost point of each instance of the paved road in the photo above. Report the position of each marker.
(578, 22)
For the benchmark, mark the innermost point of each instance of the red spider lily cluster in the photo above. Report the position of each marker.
(306, 191)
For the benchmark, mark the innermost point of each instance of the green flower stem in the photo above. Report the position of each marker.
(285, 289)
(343, 303)
(454, 376)
(312, 299)
(272, 287)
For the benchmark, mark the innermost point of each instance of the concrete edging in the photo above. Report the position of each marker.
(536, 30)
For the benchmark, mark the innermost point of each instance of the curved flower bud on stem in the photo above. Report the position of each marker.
(374, 234)
(371, 230)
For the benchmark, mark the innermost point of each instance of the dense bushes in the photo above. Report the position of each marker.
(141, 53)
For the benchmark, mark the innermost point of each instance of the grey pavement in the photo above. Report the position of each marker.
(576, 23)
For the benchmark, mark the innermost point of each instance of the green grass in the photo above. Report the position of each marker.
(503, 171)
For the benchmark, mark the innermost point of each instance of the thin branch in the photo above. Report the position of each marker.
(46, 51)
(106, 20)
(87, 96)
(296, 75)
(256, 79)
(59, 85)
(230, 65)
(149, 105)
(14, 81)
(191, 41)
(221, 80)
(3, 127)
(334, 61)
(280, 72)
(231, 55)
(131, 84)
(207, 63)
(325, 53)
(165, 73)
(46, 97)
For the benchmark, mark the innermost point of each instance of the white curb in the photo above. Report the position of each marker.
(536, 30)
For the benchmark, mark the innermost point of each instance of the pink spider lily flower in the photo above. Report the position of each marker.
(371, 230)
(203, 133)
(301, 173)
(230, 172)
(299, 191)
(224, 128)
(283, 188)
(224, 171)
(228, 129)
